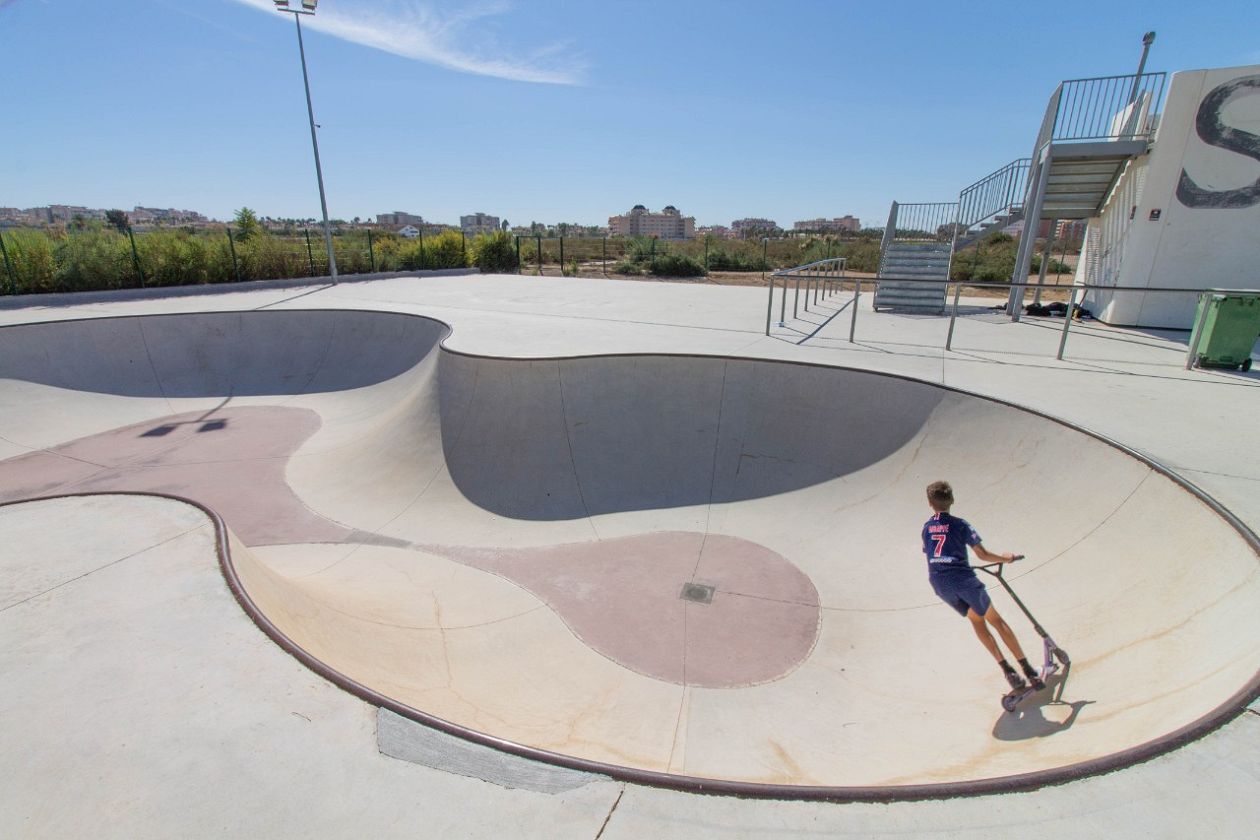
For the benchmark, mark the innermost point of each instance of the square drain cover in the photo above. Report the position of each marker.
(697, 592)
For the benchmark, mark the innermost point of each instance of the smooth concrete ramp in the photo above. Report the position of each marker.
(660, 567)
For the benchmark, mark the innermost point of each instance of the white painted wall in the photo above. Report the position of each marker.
(1202, 175)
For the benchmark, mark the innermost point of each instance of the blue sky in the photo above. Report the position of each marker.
(556, 110)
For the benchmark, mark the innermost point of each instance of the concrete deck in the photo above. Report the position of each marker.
(423, 522)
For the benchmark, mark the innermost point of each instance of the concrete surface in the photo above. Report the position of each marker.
(1124, 384)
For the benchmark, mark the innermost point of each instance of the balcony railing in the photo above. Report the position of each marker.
(1103, 108)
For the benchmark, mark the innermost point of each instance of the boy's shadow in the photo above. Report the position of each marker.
(1029, 718)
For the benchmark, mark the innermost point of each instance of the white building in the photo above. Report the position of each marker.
(1186, 214)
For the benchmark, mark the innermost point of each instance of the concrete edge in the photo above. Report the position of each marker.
(54, 299)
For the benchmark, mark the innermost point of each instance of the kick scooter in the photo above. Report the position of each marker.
(1052, 651)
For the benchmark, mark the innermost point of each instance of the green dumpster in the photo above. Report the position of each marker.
(1225, 335)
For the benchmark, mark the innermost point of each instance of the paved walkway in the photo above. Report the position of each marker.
(119, 644)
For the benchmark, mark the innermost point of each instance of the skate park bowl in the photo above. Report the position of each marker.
(697, 572)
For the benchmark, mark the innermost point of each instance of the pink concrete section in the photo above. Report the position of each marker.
(623, 598)
(230, 459)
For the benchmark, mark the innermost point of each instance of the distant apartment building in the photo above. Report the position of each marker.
(399, 218)
(841, 224)
(667, 224)
(716, 231)
(745, 228)
(165, 216)
(478, 223)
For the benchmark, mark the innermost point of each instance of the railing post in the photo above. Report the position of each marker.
(371, 251)
(463, 248)
(562, 256)
(1197, 335)
(949, 337)
(538, 240)
(236, 269)
(605, 260)
(1067, 323)
(518, 254)
(135, 255)
(796, 299)
(770, 303)
(421, 248)
(8, 267)
(857, 292)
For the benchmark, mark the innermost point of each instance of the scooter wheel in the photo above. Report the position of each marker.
(1009, 702)
(1061, 655)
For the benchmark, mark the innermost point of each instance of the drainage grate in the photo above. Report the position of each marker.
(697, 592)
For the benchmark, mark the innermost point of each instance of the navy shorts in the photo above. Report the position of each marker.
(962, 592)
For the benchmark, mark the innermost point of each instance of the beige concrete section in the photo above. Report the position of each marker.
(462, 458)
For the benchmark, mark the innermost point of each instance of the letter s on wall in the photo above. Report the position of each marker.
(1213, 131)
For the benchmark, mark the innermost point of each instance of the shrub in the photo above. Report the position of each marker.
(628, 267)
(495, 253)
(677, 265)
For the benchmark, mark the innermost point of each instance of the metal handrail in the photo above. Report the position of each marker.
(995, 193)
(822, 279)
(1067, 320)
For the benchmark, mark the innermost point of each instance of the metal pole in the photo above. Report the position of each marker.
(135, 255)
(310, 255)
(797, 298)
(561, 256)
(371, 252)
(604, 261)
(463, 249)
(857, 290)
(538, 238)
(1067, 323)
(518, 255)
(8, 267)
(1147, 40)
(319, 174)
(236, 269)
(770, 303)
(949, 337)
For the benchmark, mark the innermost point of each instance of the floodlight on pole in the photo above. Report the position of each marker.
(308, 8)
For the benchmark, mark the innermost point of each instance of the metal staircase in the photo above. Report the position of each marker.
(915, 257)
(1093, 128)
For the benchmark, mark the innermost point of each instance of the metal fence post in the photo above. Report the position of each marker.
(561, 256)
(605, 261)
(518, 254)
(371, 251)
(8, 267)
(236, 269)
(310, 255)
(422, 249)
(135, 255)
(538, 239)
(463, 248)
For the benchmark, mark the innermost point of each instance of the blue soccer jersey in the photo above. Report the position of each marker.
(945, 541)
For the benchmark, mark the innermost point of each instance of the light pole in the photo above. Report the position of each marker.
(308, 8)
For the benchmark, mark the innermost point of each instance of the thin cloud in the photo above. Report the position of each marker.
(416, 31)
